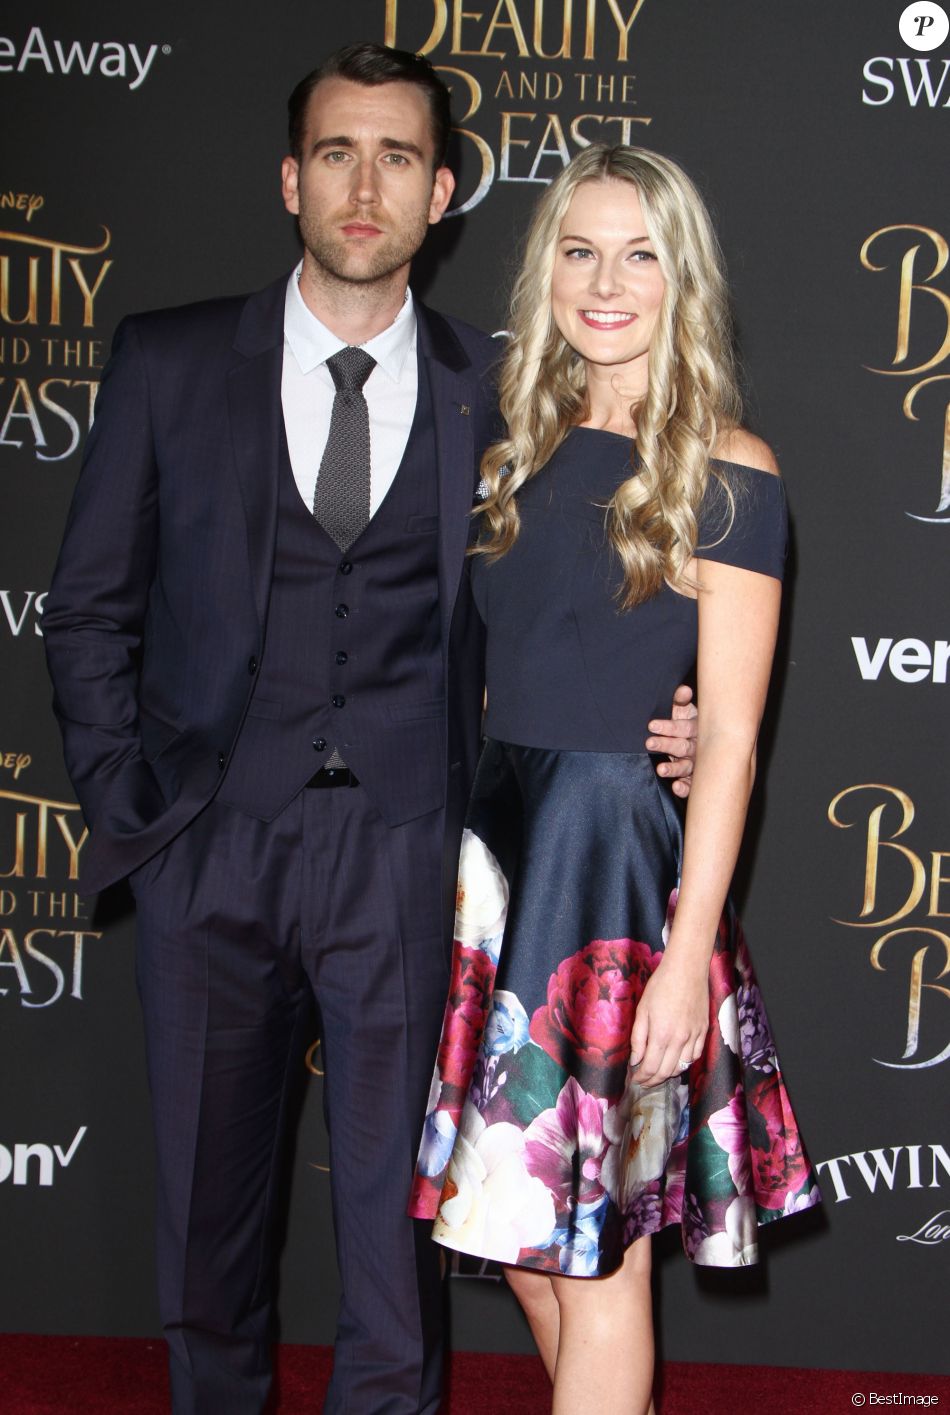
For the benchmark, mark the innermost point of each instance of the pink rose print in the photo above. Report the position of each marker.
(473, 974)
(779, 1164)
(591, 1003)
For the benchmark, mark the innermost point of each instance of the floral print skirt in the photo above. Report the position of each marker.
(540, 1148)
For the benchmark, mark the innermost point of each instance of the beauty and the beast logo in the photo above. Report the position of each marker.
(44, 928)
(903, 894)
(49, 356)
(922, 345)
(524, 77)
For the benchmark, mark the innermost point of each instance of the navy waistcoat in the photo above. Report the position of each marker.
(352, 654)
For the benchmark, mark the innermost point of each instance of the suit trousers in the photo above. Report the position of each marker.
(241, 924)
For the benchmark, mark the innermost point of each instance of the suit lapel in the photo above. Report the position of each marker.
(256, 420)
(454, 395)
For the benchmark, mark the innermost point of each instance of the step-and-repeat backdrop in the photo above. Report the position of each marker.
(141, 169)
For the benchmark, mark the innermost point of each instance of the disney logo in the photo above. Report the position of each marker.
(931, 1231)
(30, 202)
(15, 762)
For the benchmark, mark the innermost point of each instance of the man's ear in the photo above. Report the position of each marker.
(289, 179)
(442, 188)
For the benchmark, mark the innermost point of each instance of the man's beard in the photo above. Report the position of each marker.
(330, 251)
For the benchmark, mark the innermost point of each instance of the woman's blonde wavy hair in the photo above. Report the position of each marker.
(691, 399)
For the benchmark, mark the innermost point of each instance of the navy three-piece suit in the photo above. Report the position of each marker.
(209, 647)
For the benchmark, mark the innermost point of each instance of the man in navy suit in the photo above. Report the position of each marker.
(271, 724)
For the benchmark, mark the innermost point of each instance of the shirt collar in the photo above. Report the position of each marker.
(311, 343)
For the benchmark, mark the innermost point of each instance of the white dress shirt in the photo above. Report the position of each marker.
(307, 392)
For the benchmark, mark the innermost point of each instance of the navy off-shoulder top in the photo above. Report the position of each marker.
(567, 668)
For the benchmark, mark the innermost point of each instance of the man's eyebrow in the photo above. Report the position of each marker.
(401, 145)
(322, 143)
(390, 145)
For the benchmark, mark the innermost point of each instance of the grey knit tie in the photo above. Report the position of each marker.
(341, 501)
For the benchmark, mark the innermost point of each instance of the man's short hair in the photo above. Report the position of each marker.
(373, 64)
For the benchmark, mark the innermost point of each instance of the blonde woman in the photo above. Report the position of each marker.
(606, 1066)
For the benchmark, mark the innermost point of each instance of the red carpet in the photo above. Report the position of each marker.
(44, 1375)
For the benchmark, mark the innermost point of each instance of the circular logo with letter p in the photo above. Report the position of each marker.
(924, 25)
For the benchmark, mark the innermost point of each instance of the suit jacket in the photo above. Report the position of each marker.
(158, 604)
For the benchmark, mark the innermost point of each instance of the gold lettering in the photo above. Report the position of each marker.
(471, 83)
(84, 353)
(43, 806)
(458, 15)
(590, 30)
(625, 121)
(8, 942)
(559, 149)
(72, 844)
(56, 249)
(875, 845)
(485, 154)
(565, 50)
(21, 394)
(917, 986)
(514, 24)
(49, 902)
(42, 838)
(908, 288)
(79, 938)
(91, 386)
(943, 502)
(57, 902)
(33, 288)
(487, 174)
(88, 295)
(936, 880)
(508, 142)
(16, 348)
(18, 868)
(623, 27)
(440, 15)
(31, 951)
(55, 285)
(29, 202)
(556, 29)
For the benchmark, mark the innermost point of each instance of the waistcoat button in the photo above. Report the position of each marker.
(341, 611)
(319, 744)
(338, 700)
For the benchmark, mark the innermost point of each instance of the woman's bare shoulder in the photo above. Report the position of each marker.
(743, 447)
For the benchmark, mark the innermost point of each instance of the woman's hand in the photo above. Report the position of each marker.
(671, 1022)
